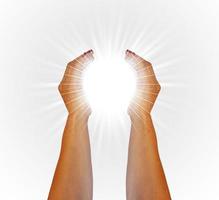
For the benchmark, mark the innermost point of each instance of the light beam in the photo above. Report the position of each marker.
(109, 84)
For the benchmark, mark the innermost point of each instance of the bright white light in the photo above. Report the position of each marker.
(109, 84)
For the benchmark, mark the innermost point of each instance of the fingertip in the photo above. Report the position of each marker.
(130, 52)
(87, 56)
(127, 54)
(89, 51)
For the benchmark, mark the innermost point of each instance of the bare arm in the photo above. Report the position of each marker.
(73, 175)
(145, 175)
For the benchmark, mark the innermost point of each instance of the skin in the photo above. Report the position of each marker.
(73, 175)
(145, 175)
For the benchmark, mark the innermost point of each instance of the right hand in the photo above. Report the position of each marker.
(148, 87)
(70, 87)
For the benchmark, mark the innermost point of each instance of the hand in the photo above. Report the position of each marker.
(73, 174)
(71, 85)
(148, 87)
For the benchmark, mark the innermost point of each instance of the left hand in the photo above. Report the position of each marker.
(70, 87)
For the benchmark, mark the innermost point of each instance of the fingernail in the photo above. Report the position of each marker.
(128, 51)
(90, 51)
(131, 52)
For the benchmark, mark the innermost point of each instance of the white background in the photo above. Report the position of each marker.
(38, 38)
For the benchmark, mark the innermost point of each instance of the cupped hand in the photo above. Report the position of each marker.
(147, 88)
(70, 87)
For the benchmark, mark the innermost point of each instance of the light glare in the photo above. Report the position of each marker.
(109, 84)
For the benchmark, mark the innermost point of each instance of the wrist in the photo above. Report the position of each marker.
(78, 118)
(140, 118)
(141, 123)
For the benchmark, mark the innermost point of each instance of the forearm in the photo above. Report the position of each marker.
(145, 176)
(73, 175)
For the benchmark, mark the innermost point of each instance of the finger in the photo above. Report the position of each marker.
(144, 68)
(89, 56)
(75, 68)
(139, 60)
(70, 79)
(136, 61)
(129, 57)
(82, 61)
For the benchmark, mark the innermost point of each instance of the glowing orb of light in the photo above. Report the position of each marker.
(109, 84)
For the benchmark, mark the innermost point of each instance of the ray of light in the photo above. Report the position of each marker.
(107, 38)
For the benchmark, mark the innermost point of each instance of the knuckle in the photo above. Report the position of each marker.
(147, 63)
(158, 87)
(71, 63)
(60, 87)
